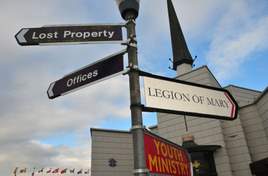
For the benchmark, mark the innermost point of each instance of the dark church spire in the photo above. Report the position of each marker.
(181, 54)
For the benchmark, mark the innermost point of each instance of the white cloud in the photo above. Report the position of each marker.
(238, 36)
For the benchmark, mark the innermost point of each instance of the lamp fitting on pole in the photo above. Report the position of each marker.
(126, 6)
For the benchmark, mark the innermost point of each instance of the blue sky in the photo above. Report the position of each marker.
(228, 36)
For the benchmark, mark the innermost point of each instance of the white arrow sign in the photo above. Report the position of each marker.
(50, 90)
(20, 37)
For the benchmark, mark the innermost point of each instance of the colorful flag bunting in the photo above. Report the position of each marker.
(50, 171)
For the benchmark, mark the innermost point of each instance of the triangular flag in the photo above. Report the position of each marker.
(63, 171)
(80, 171)
(56, 170)
(87, 172)
(41, 170)
(72, 171)
(48, 171)
(23, 170)
(15, 171)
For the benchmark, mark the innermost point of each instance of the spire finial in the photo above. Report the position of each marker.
(181, 54)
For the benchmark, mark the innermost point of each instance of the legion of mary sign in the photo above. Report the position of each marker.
(165, 158)
(180, 97)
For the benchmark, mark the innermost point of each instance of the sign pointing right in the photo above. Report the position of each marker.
(181, 97)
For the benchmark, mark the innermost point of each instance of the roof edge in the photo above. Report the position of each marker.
(108, 130)
(199, 68)
(239, 87)
(258, 99)
(153, 127)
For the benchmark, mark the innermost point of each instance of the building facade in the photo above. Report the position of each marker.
(243, 141)
(239, 147)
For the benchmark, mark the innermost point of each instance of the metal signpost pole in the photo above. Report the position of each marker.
(129, 11)
(135, 100)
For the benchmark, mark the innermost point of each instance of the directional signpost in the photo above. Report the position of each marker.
(180, 97)
(161, 94)
(93, 73)
(69, 34)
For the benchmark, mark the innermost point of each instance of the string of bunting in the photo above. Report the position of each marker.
(49, 171)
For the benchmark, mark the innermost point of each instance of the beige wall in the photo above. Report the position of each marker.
(235, 135)
(200, 76)
(206, 131)
(108, 144)
(237, 147)
(262, 107)
(254, 121)
(243, 96)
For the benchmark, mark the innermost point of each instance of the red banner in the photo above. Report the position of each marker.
(165, 158)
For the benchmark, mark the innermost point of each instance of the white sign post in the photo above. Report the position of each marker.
(180, 97)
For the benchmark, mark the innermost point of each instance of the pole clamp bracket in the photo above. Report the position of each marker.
(135, 127)
(133, 67)
(134, 45)
(131, 20)
(130, 43)
(141, 171)
(136, 105)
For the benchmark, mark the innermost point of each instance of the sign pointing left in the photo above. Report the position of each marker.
(70, 34)
(93, 73)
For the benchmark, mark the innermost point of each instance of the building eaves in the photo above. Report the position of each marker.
(153, 127)
(235, 86)
(108, 130)
(258, 99)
